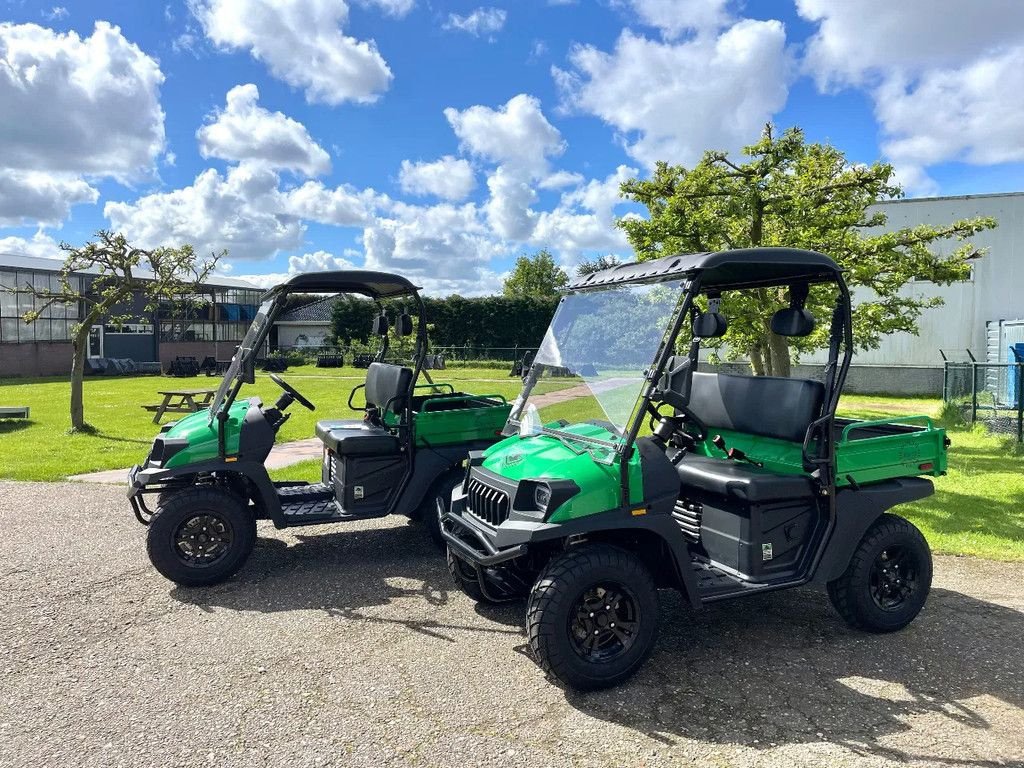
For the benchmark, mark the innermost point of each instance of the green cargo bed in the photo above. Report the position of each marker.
(866, 451)
(458, 417)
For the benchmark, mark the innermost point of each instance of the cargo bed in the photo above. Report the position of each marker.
(445, 416)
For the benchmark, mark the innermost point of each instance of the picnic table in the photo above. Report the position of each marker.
(181, 401)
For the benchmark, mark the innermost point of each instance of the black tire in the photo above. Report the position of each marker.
(223, 527)
(427, 513)
(465, 579)
(558, 625)
(887, 581)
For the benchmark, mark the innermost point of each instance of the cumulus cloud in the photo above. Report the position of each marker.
(342, 206)
(245, 131)
(673, 17)
(73, 108)
(671, 101)
(935, 93)
(481, 21)
(40, 244)
(396, 8)
(302, 43)
(584, 219)
(449, 178)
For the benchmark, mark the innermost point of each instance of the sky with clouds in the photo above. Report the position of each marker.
(443, 139)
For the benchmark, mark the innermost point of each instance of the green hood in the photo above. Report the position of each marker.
(202, 435)
(545, 457)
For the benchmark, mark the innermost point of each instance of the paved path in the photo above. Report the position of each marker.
(281, 455)
(347, 646)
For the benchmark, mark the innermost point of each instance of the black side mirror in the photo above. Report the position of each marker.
(380, 325)
(403, 324)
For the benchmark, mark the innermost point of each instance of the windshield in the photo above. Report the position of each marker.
(592, 362)
(246, 349)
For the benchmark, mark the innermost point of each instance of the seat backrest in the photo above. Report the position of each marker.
(387, 386)
(769, 406)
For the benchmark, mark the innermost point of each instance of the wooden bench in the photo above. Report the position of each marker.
(188, 401)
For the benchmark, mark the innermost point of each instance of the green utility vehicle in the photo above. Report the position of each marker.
(662, 475)
(207, 474)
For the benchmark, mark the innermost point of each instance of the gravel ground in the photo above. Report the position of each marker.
(346, 646)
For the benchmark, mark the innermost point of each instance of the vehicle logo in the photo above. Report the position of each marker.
(513, 458)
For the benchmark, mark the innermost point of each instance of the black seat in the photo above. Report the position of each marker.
(359, 439)
(742, 481)
(766, 406)
(387, 386)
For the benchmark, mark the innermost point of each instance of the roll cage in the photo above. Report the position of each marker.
(711, 274)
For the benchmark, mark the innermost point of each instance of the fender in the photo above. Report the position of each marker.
(856, 511)
(429, 463)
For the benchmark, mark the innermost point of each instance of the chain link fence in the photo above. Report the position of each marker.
(988, 393)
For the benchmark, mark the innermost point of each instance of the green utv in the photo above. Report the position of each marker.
(661, 475)
(206, 472)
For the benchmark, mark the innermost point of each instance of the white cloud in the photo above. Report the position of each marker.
(319, 261)
(940, 94)
(672, 101)
(448, 178)
(243, 130)
(73, 108)
(243, 211)
(302, 42)
(27, 197)
(395, 8)
(673, 17)
(560, 179)
(481, 21)
(56, 13)
(584, 219)
(515, 134)
(41, 245)
(342, 206)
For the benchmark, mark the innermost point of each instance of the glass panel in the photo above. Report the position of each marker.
(8, 300)
(42, 329)
(9, 330)
(246, 349)
(598, 348)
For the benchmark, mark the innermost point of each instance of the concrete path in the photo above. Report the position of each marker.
(282, 455)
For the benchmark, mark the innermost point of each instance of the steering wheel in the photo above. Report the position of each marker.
(679, 421)
(291, 391)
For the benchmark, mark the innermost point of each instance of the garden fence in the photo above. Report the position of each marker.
(988, 393)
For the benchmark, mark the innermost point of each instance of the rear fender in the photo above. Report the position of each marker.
(856, 511)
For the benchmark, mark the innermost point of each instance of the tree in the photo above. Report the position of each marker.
(601, 262)
(786, 192)
(537, 276)
(175, 272)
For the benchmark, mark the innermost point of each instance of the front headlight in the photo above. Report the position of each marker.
(542, 497)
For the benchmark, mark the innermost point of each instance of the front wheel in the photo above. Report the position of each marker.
(464, 577)
(592, 616)
(887, 581)
(201, 536)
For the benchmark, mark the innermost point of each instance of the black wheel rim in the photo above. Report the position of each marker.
(894, 578)
(202, 540)
(604, 622)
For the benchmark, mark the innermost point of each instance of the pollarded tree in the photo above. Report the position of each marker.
(786, 192)
(114, 267)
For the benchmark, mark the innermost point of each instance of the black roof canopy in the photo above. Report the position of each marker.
(376, 285)
(721, 270)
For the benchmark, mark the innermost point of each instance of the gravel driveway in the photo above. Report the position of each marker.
(346, 646)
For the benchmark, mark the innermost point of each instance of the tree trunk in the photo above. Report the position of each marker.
(757, 360)
(778, 352)
(80, 350)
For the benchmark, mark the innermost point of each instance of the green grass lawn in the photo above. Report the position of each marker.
(978, 508)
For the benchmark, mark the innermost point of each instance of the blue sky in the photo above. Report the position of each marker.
(444, 139)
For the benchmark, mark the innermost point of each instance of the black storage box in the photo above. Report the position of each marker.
(367, 485)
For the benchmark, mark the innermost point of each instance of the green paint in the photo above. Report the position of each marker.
(545, 457)
(202, 435)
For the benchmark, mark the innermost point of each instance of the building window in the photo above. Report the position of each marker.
(55, 322)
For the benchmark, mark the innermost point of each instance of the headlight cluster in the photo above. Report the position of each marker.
(544, 496)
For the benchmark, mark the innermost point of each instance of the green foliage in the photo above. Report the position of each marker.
(601, 262)
(535, 276)
(784, 191)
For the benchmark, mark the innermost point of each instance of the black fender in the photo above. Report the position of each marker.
(428, 465)
(143, 480)
(856, 510)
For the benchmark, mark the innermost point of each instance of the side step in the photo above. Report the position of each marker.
(312, 505)
(715, 584)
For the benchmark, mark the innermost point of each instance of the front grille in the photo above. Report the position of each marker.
(688, 515)
(486, 503)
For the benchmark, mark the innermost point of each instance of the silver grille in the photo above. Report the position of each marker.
(486, 503)
(688, 515)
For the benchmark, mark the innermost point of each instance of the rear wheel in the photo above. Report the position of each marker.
(887, 581)
(592, 616)
(200, 536)
(428, 514)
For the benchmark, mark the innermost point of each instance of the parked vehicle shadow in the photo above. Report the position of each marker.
(783, 669)
(341, 572)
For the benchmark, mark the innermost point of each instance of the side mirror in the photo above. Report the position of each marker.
(403, 324)
(380, 325)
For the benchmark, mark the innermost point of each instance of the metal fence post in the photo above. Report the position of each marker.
(974, 393)
(1020, 402)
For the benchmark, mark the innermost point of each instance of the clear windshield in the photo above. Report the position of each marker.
(592, 362)
(246, 349)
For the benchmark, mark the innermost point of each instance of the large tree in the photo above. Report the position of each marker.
(114, 278)
(536, 276)
(783, 191)
(585, 268)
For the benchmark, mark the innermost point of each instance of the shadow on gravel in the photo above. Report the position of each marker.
(340, 572)
(784, 669)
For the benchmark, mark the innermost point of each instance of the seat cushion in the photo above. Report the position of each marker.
(742, 481)
(329, 425)
(359, 439)
(388, 386)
